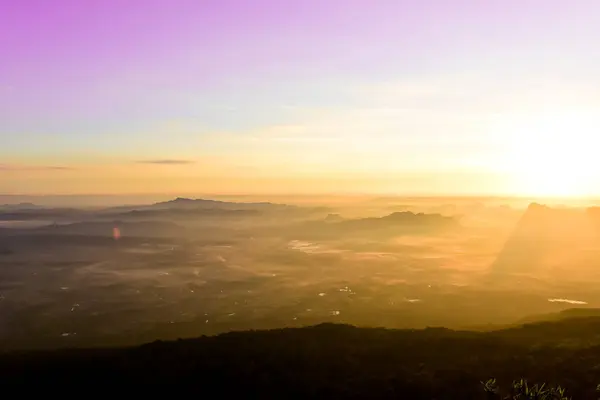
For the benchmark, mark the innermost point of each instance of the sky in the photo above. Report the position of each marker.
(272, 96)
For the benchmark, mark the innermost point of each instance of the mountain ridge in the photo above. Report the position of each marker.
(329, 361)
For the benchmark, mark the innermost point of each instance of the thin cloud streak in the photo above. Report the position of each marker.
(165, 162)
(17, 168)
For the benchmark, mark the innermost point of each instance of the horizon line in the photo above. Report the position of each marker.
(309, 194)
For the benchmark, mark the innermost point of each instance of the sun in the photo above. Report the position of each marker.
(553, 154)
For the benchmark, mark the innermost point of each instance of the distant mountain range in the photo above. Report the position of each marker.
(19, 207)
(189, 212)
(181, 202)
(202, 208)
(179, 207)
(397, 223)
(400, 219)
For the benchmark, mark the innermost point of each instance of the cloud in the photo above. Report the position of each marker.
(56, 168)
(566, 301)
(166, 162)
(16, 168)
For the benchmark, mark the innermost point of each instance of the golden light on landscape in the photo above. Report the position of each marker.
(367, 199)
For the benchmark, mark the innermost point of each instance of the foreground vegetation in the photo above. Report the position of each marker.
(337, 361)
(523, 390)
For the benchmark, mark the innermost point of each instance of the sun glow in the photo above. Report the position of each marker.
(553, 155)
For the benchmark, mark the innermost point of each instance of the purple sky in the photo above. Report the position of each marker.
(106, 76)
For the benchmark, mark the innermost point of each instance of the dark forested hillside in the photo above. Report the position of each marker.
(331, 361)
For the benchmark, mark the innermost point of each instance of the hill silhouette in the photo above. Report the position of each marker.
(182, 202)
(28, 214)
(334, 218)
(330, 361)
(191, 212)
(400, 219)
(19, 207)
(205, 208)
(397, 223)
(105, 228)
(176, 208)
(550, 241)
(562, 315)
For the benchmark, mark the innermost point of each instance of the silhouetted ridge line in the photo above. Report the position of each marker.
(329, 361)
